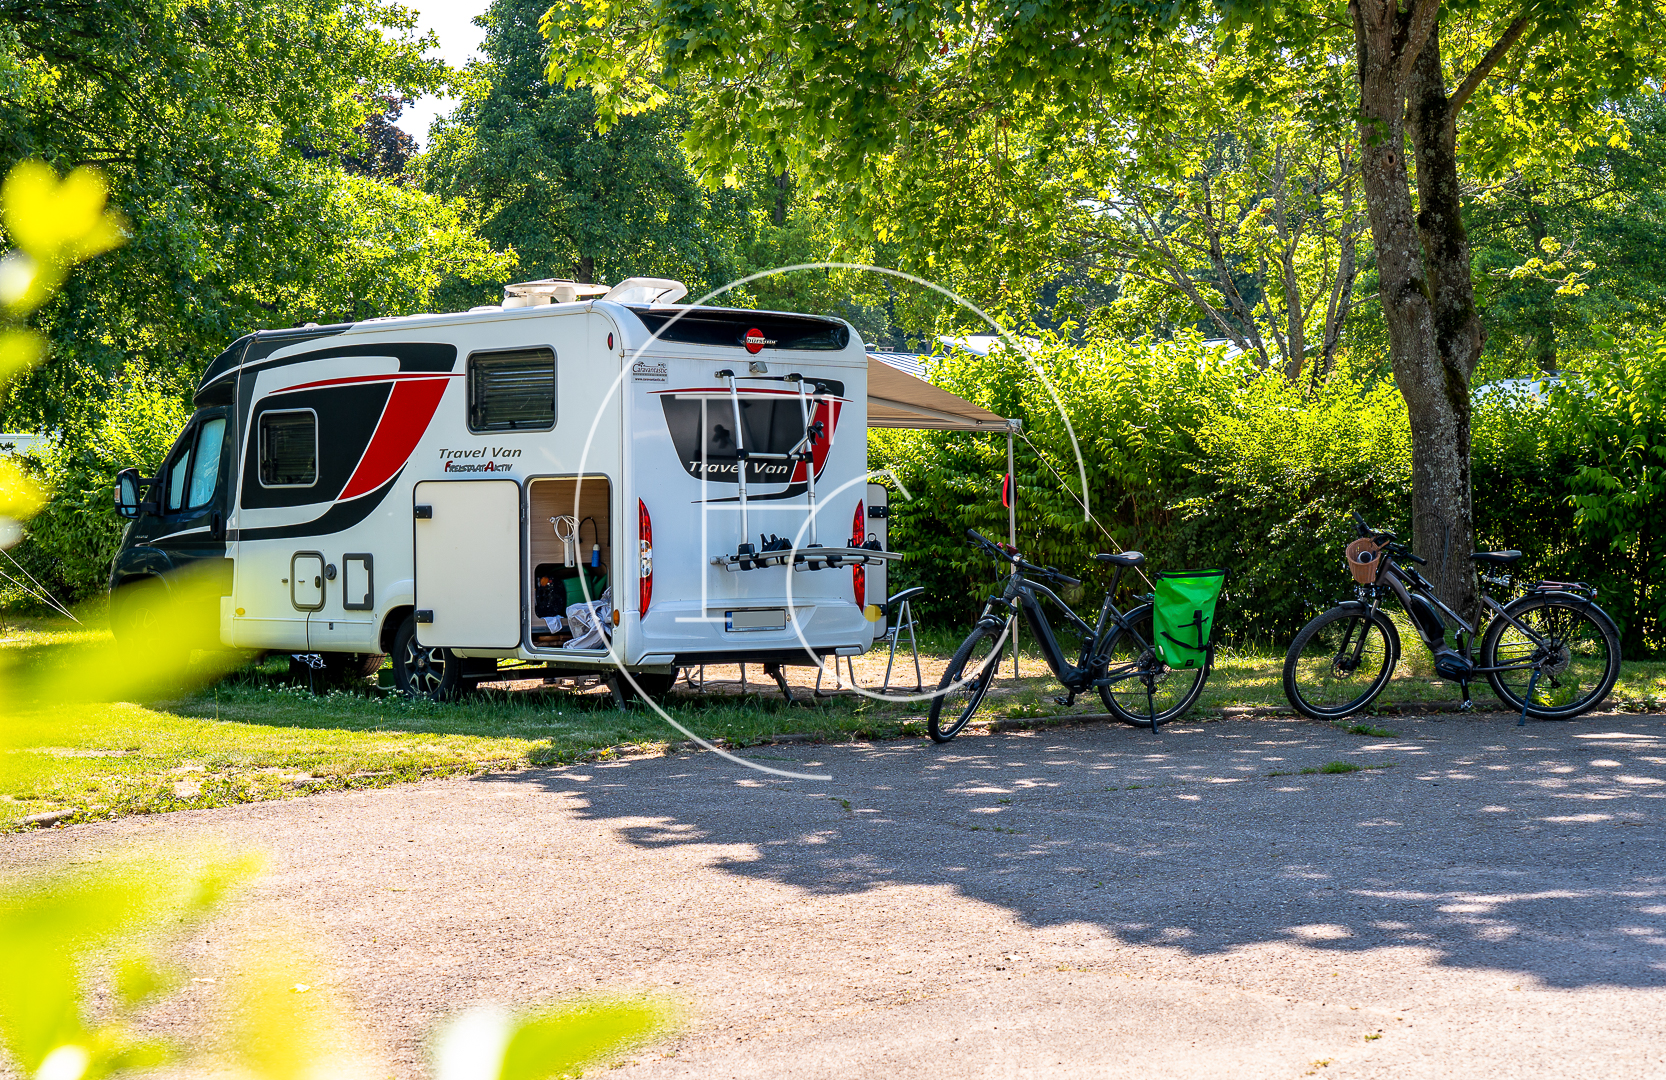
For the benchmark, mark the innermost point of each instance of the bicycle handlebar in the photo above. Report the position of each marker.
(1000, 552)
(1387, 539)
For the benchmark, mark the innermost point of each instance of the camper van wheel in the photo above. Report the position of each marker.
(337, 669)
(435, 674)
(140, 620)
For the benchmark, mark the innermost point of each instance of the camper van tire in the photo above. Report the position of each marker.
(435, 674)
(338, 669)
(139, 619)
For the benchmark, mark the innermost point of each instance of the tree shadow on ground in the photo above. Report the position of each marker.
(1536, 850)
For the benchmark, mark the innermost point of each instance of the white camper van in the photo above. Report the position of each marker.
(577, 477)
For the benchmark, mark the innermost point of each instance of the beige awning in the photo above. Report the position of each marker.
(897, 399)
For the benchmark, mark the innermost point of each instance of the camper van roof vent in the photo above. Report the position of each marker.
(548, 291)
(652, 291)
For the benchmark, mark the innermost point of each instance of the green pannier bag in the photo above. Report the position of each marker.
(1183, 614)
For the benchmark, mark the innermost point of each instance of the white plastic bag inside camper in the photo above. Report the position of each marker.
(585, 621)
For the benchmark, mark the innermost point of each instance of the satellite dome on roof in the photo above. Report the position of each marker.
(548, 291)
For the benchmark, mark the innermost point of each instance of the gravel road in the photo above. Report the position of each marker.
(1095, 901)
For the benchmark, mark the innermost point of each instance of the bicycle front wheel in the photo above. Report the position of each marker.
(1153, 693)
(1573, 645)
(965, 682)
(1340, 662)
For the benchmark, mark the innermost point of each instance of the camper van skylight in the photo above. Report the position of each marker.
(647, 290)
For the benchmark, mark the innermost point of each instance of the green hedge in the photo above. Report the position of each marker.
(1199, 461)
(68, 546)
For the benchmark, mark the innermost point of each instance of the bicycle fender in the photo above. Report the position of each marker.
(1571, 599)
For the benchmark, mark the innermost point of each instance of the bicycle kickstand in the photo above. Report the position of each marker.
(1532, 684)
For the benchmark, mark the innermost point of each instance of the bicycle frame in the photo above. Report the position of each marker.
(1403, 581)
(1091, 670)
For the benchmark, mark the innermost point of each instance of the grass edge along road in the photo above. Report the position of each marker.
(255, 735)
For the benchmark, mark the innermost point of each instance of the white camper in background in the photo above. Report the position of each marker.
(448, 488)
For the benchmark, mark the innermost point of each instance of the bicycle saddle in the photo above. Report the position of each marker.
(896, 601)
(1496, 558)
(1126, 558)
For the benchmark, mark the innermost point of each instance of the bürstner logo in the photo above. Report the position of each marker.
(642, 371)
(755, 340)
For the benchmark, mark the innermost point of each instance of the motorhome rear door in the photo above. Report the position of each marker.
(468, 563)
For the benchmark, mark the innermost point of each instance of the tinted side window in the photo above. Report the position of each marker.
(205, 463)
(289, 448)
(512, 391)
(179, 470)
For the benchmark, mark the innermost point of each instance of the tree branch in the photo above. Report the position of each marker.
(1423, 19)
(1478, 74)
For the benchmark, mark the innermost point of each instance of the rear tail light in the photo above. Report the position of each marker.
(858, 575)
(645, 538)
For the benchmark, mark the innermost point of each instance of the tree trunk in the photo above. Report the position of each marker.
(1544, 329)
(783, 191)
(1423, 263)
(586, 272)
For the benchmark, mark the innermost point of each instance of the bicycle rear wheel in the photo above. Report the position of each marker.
(1157, 693)
(965, 681)
(1577, 655)
(1340, 662)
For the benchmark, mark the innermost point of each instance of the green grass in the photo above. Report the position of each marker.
(1332, 768)
(254, 735)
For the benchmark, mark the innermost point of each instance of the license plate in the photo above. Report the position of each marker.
(756, 619)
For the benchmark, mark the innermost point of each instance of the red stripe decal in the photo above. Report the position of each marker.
(410, 407)
(350, 380)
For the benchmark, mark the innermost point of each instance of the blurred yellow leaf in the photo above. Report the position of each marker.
(19, 497)
(19, 349)
(58, 221)
(562, 1041)
(50, 924)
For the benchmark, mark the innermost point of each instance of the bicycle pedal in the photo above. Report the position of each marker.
(1067, 702)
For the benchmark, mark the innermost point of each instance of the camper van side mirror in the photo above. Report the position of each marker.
(127, 493)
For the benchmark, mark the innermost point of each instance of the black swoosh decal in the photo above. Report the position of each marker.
(337, 518)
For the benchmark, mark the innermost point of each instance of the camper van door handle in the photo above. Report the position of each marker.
(424, 511)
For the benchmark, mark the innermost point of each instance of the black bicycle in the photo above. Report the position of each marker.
(1116, 657)
(1551, 653)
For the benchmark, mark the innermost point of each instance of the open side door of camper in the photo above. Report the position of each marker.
(468, 563)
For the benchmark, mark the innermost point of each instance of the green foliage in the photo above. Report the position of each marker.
(570, 201)
(223, 131)
(1565, 255)
(51, 927)
(1615, 409)
(1200, 462)
(69, 545)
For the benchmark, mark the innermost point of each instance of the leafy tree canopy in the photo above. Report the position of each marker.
(223, 129)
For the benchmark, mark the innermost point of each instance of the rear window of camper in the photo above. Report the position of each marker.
(512, 391)
(729, 328)
(289, 448)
